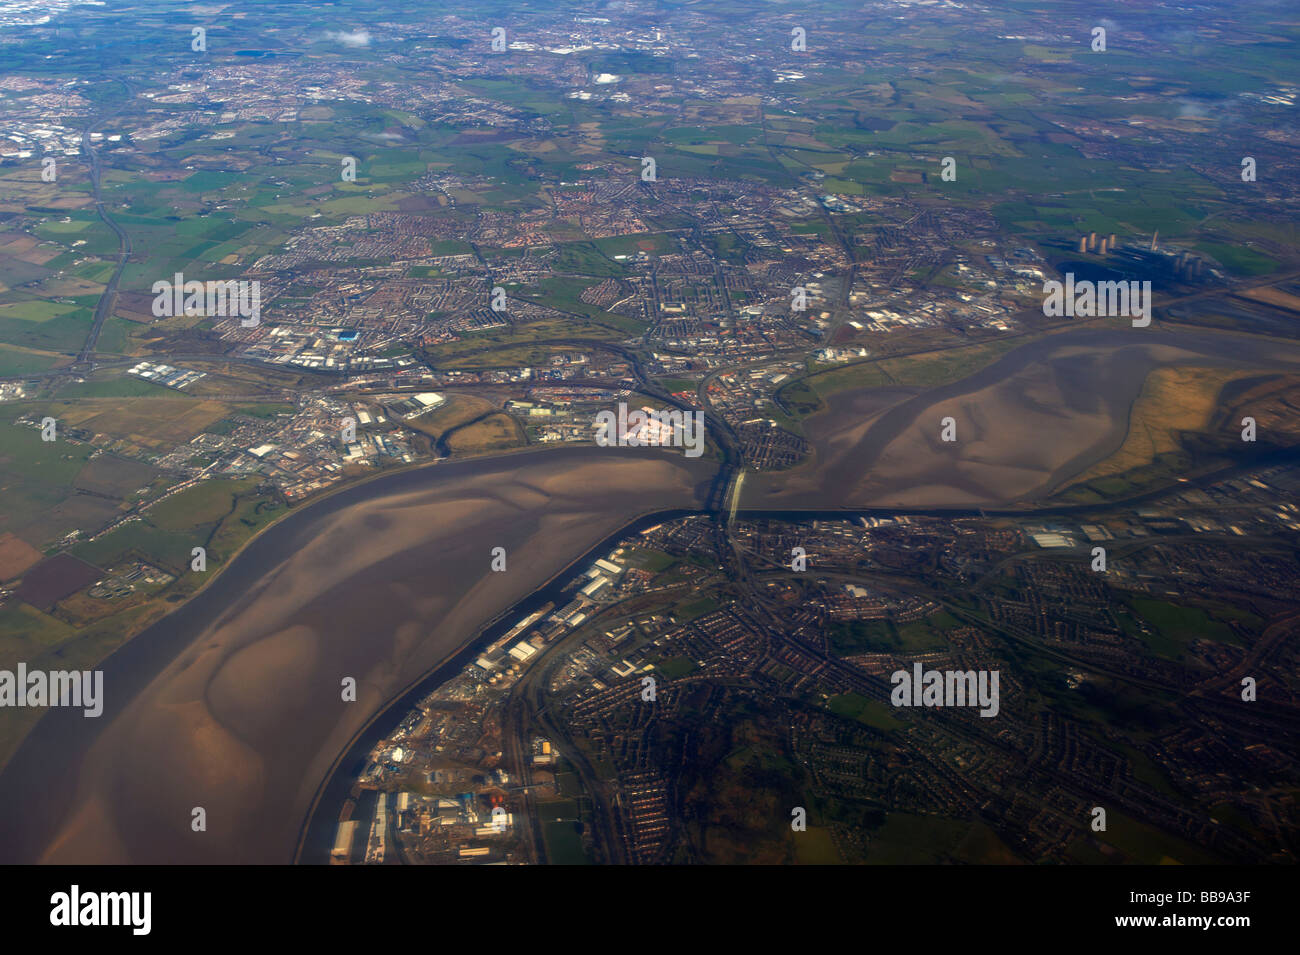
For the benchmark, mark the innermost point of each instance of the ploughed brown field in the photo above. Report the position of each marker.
(381, 582)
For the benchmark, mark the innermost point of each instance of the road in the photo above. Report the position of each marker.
(526, 715)
(108, 300)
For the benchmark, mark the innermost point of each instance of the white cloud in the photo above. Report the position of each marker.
(354, 38)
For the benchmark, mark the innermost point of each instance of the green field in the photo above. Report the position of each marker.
(868, 636)
(1176, 626)
(854, 706)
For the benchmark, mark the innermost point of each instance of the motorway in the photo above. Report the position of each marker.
(108, 300)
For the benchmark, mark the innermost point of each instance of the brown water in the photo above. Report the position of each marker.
(1038, 415)
(234, 702)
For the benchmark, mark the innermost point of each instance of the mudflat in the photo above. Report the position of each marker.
(1037, 416)
(234, 702)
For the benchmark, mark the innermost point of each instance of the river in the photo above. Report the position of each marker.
(232, 703)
